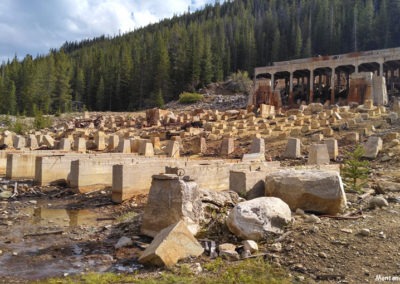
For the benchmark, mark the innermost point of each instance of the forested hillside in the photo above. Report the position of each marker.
(156, 63)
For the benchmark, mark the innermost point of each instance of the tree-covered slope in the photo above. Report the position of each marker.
(133, 70)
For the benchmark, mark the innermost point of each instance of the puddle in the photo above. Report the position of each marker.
(31, 253)
(62, 217)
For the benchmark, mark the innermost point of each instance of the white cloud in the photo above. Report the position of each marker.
(35, 26)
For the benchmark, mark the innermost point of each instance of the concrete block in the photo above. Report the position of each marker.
(333, 148)
(227, 146)
(293, 149)
(80, 144)
(318, 154)
(249, 184)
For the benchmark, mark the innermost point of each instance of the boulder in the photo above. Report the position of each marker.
(257, 218)
(170, 245)
(310, 190)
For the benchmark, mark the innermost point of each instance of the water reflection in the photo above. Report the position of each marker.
(64, 217)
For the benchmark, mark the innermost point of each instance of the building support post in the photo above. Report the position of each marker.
(333, 86)
(311, 83)
(291, 89)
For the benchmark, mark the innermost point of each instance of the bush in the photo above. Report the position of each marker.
(190, 98)
(19, 126)
(41, 121)
(355, 170)
(239, 82)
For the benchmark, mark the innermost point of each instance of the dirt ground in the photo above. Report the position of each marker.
(54, 232)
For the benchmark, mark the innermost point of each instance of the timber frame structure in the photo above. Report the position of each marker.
(332, 74)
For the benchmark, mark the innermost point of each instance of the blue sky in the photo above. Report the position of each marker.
(35, 26)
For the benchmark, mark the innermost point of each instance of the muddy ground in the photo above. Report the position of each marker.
(53, 232)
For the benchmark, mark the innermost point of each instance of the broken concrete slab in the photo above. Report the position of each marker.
(257, 218)
(170, 245)
(310, 190)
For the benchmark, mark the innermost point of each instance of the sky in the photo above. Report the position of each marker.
(36, 26)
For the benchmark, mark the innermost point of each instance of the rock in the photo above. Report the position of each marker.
(276, 247)
(365, 232)
(389, 186)
(171, 200)
(377, 201)
(229, 255)
(123, 242)
(322, 255)
(256, 218)
(300, 212)
(346, 230)
(250, 245)
(33, 202)
(170, 245)
(312, 190)
(245, 254)
(5, 194)
(382, 235)
(313, 219)
(226, 246)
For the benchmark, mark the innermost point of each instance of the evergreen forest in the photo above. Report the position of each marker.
(154, 64)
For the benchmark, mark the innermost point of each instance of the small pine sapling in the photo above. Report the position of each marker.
(355, 170)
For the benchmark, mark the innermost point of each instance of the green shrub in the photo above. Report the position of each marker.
(355, 170)
(239, 82)
(40, 121)
(190, 98)
(19, 126)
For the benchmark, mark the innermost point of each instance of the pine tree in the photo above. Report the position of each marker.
(100, 95)
(62, 92)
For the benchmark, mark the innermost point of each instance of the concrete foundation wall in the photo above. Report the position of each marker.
(132, 180)
(91, 174)
(22, 164)
(57, 168)
(3, 160)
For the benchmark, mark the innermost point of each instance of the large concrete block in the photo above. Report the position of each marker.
(227, 146)
(131, 180)
(372, 147)
(333, 149)
(293, 149)
(170, 245)
(318, 154)
(171, 200)
(248, 184)
(312, 190)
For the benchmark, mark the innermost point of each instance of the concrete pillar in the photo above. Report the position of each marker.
(272, 81)
(381, 68)
(333, 86)
(291, 89)
(311, 95)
